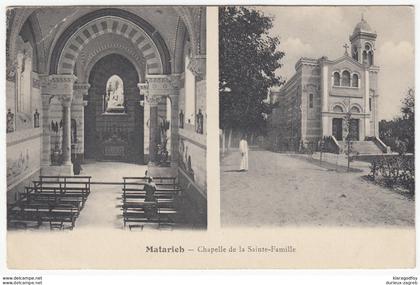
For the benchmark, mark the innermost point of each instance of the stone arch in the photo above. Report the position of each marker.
(346, 78)
(104, 21)
(181, 35)
(25, 23)
(336, 78)
(124, 121)
(15, 20)
(355, 76)
(200, 23)
(103, 46)
(188, 19)
(355, 108)
(338, 107)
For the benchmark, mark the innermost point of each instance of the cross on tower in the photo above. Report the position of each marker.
(346, 46)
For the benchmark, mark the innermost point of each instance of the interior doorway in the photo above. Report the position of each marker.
(114, 129)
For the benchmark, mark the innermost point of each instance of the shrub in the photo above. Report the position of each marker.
(394, 171)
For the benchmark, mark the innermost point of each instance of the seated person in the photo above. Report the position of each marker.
(151, 209)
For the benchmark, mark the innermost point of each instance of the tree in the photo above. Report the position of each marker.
(349, 137)
(248, 59)
(399, 132)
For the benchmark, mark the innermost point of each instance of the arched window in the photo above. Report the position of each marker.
(338, 109)
(114, 96)
(345, 81)
(370, 58)
(311, 100)
(354, 109)
(336, 79)
(355, 80)
(355, 53)
(365, 57)
(189, 87)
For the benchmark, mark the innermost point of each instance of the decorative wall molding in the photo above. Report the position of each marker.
(81, 89)
(160, 85)
(22, 136)
(58, 85)
(198, 66)
(153, 101)
(36, 83)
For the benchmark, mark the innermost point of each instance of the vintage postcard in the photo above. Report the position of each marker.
(198, 137)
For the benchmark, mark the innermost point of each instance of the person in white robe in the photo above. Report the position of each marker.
(243, 149)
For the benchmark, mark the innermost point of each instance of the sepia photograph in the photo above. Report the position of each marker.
(316, 116)
(146, 136)
(106, 118)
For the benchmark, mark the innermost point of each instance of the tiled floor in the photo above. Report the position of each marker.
(102, 208)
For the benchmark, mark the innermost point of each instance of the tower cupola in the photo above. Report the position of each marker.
(363, 43)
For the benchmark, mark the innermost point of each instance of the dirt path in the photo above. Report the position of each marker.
(282, 190)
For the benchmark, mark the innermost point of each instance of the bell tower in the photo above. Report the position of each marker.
(363, 43)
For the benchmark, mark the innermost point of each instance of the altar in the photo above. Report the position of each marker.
(114, 148)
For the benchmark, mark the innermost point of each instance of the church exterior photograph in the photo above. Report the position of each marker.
(321, 108)
(106, 117)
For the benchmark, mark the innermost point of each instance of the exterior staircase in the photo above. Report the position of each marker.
(362, 147)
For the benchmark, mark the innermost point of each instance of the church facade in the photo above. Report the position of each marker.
(121, 84)
(314, 103)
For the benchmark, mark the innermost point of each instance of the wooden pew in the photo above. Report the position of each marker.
(135, 208)
(56, 215)
(57, 200)
(53, 196)
(161, 182)
(77, 190)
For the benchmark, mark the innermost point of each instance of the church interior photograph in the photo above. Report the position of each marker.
(106, 117)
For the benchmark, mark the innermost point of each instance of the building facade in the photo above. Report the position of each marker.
(313, 104)
(106, 83)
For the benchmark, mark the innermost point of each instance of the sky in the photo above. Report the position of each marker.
(322, 31)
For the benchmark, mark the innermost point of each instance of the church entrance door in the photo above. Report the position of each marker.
(337, 128)
(354, 129)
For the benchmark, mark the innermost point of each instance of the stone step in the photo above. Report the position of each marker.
(362, 147)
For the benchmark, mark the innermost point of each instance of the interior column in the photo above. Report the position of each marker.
(66, 102)
(78, 113)
(153, 128)
(46, 136)
(60, 87)
(174, 129)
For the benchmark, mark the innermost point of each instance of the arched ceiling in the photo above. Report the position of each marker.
(53, 21)
(116, 28)
(110, 21)
(104, 45)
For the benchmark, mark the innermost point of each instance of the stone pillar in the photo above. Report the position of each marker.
(174, 96)
(158, 88)
(46, 136)
(174, 129)
(154, 128)
(66, 102)
(324, 99)
(78, 114)
(144, 91)
(366, 105)
(375, 99)
(61, 87)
